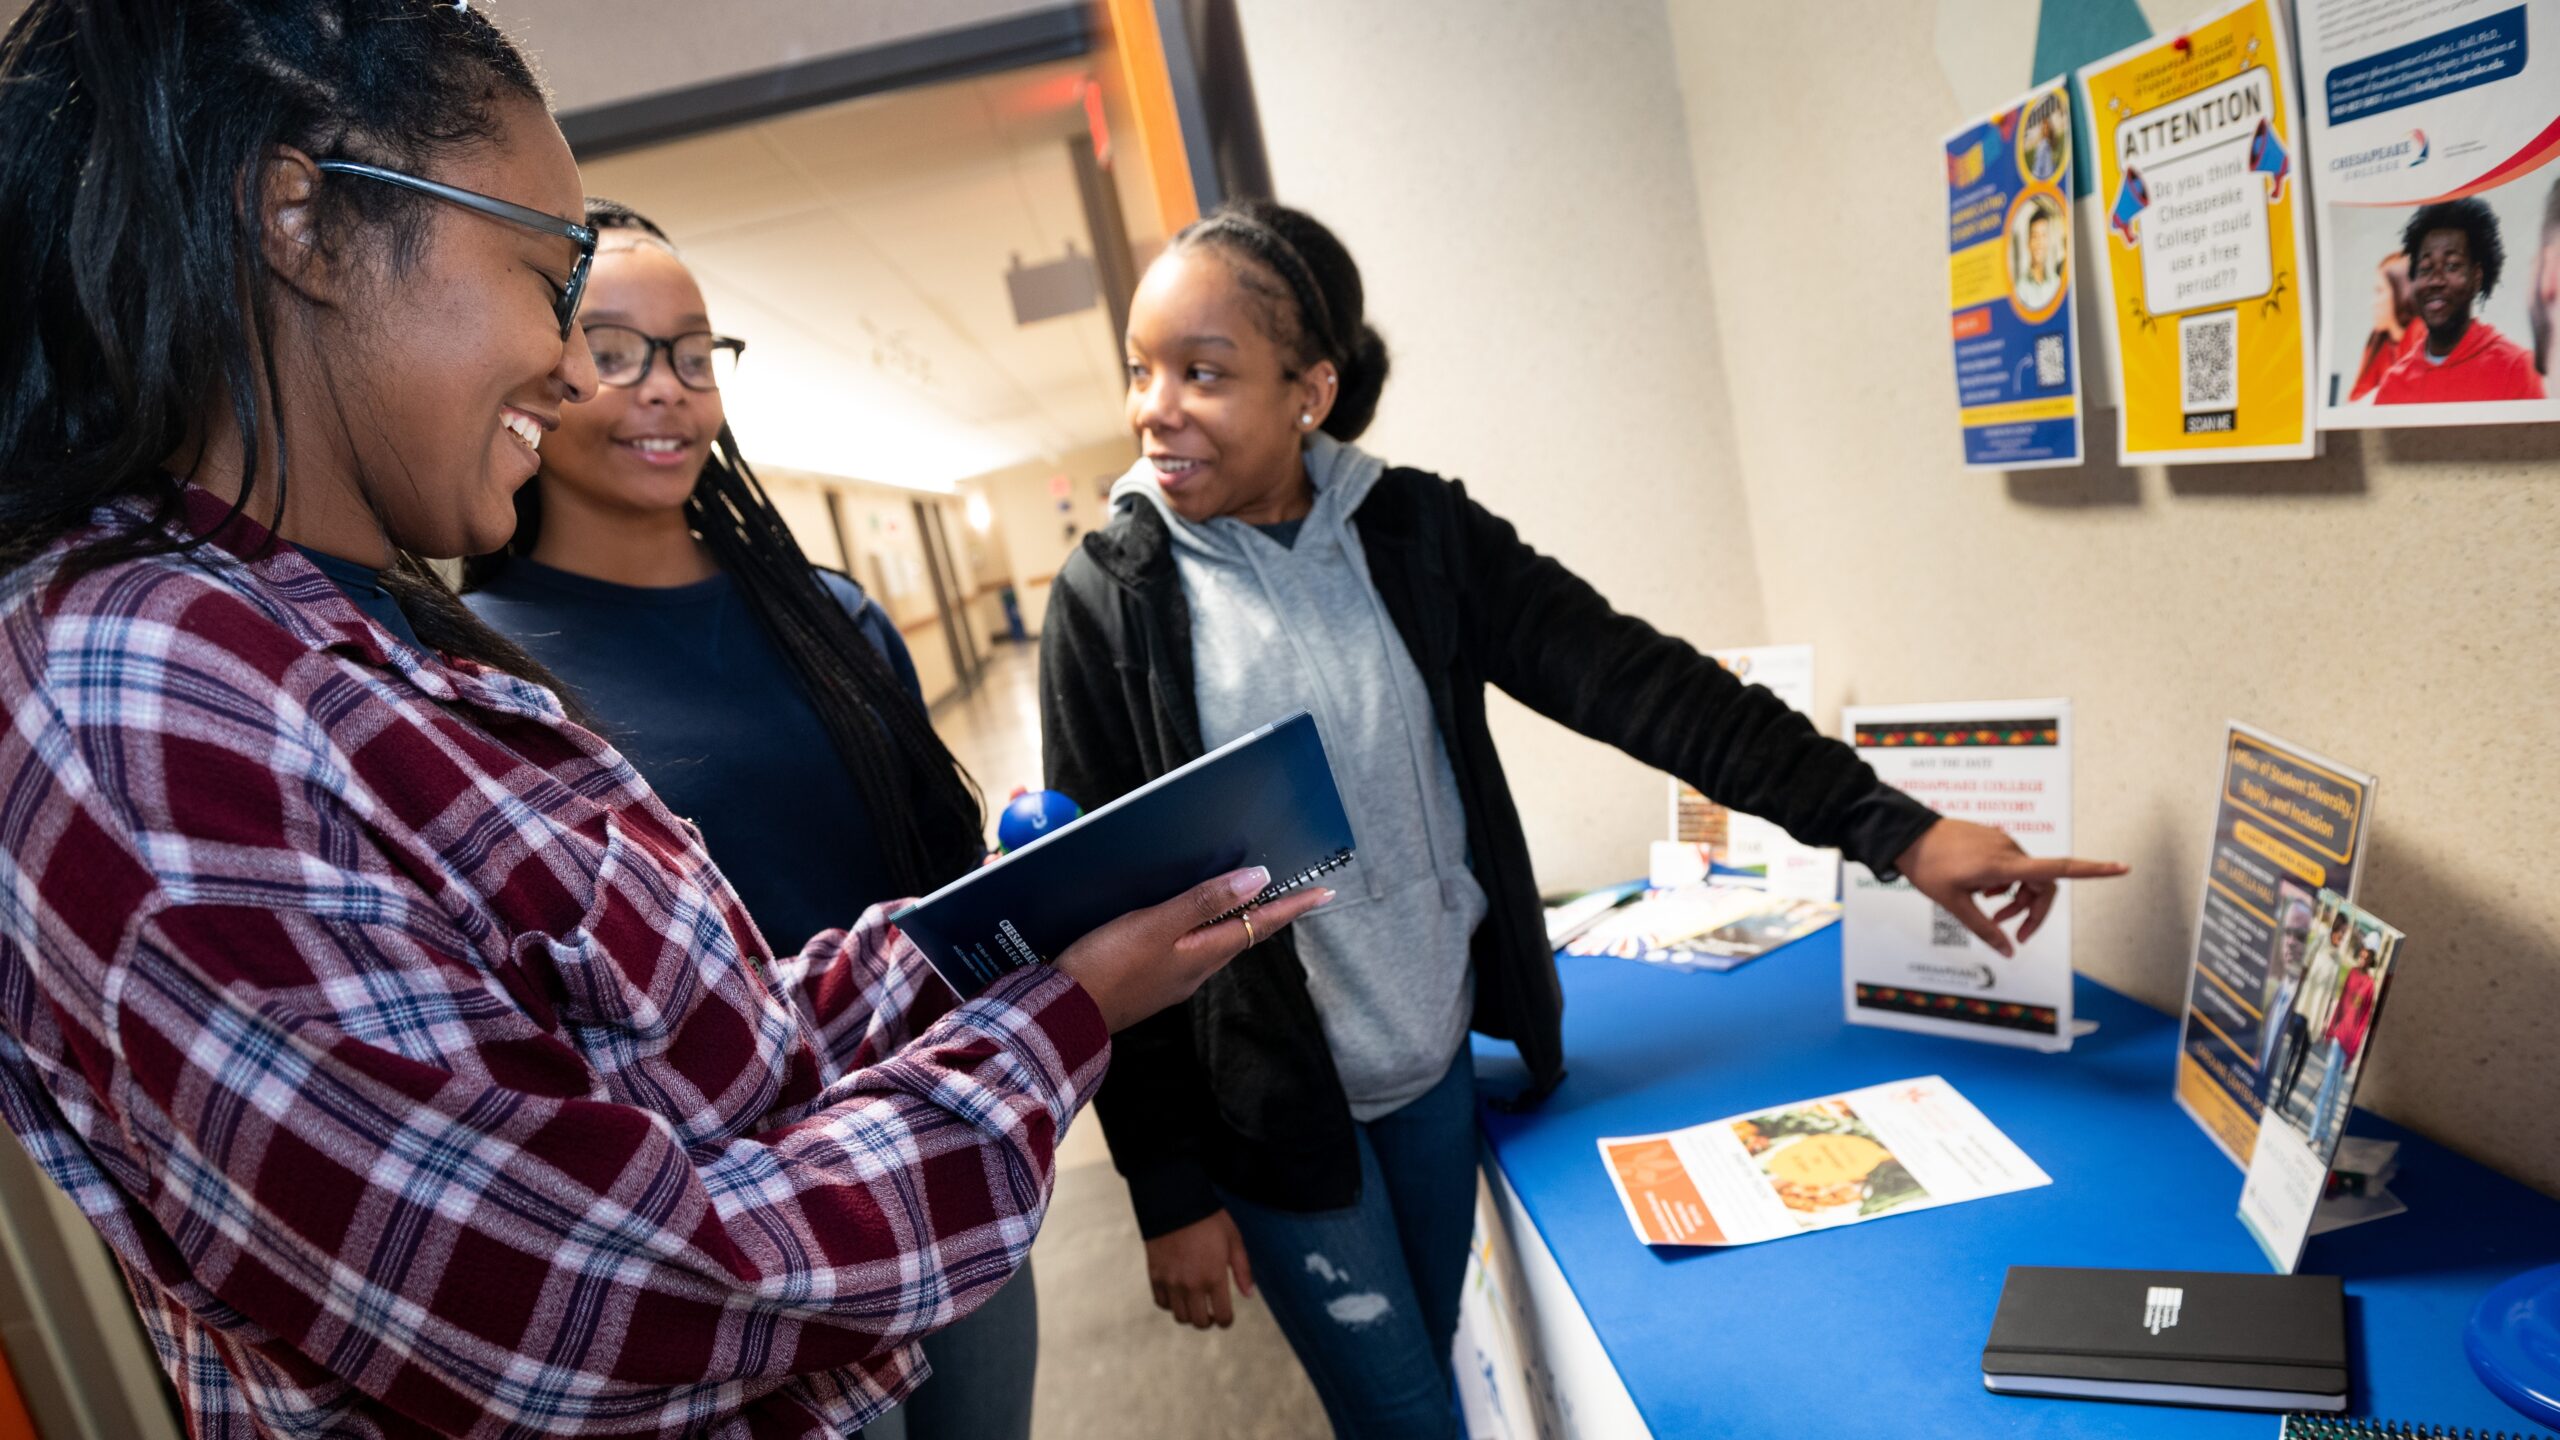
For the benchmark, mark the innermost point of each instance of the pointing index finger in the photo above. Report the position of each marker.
(2066, 868)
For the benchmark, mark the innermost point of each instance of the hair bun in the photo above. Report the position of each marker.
(1364, 379)
(1316, 277)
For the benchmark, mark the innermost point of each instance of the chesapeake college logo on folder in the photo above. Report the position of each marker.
(1266, 799)
(2174, 1337)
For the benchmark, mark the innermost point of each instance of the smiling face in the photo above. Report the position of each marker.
(447, 375)
(2444, 280)
(1213, 399)
(638, 447)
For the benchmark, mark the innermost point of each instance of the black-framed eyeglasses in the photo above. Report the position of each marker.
(701, 359)
(565, 306)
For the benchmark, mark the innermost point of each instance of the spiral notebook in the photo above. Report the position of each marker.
(1265, 799)
(2331, 1427)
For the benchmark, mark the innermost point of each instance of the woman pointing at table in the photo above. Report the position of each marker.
(1306, 1121)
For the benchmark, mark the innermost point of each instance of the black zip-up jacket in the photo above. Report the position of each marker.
(1236, 1086)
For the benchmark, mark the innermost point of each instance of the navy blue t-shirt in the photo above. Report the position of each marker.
(697, 696)
(362, 584)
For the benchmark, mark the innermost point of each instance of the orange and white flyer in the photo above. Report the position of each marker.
(1855, 1156)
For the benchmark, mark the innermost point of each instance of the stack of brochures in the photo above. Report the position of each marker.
(1702, 927)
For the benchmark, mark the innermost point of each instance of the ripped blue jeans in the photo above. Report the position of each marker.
(1368, 1295)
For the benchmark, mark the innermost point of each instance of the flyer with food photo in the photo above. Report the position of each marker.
(1813, 1165)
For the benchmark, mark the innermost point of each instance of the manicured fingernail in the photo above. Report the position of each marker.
(1323, 898)
(1249, 882)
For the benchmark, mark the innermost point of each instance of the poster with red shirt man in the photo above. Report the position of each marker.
(2435, 151)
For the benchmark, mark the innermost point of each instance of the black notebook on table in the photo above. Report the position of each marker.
(2171, 1337)
(1265, 799)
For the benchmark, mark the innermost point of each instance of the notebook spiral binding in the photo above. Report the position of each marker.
(2330, 1427)
(1282, 886)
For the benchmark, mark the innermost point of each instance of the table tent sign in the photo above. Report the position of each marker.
(1906, 963)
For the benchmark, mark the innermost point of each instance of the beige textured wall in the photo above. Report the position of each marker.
(2391, 604)
(1513, 177)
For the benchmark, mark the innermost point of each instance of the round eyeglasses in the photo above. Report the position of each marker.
(701, 360)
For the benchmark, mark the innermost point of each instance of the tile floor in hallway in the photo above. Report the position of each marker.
(1112, 1366)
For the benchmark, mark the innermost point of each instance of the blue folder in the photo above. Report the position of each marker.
(1266, 799)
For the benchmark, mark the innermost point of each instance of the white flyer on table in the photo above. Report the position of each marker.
(1907, 964)
(1785, 865)
(1856, 1156)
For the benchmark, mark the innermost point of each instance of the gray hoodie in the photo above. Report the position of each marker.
(1277, 629)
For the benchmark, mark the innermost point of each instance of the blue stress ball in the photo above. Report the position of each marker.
(1031, 814)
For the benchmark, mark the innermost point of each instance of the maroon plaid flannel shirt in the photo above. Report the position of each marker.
(424, 1075)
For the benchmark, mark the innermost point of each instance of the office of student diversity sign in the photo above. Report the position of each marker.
(2288, 824)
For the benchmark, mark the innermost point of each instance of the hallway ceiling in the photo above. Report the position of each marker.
(861, 250)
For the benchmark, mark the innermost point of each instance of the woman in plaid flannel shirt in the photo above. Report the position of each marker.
(417, 1066)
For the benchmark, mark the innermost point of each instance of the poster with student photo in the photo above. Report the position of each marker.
(2322, 1035)
(2435, 137)
(2287, 959)
(2009, 268)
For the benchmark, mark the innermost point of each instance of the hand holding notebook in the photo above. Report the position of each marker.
(1149, 959)
(1266, 800)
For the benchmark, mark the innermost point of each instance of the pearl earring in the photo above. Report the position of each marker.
(1306, 419)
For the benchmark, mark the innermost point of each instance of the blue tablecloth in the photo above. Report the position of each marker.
(1877, 1329)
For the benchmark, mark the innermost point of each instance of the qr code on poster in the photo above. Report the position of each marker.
(2208, 361)
(1946, 932)
(2050, 370)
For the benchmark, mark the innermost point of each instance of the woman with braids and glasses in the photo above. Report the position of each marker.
(1308, 1118)
(650, 573)
(414, 1060)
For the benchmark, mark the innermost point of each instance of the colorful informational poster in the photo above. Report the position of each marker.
(1907, 964)
(2435, 161)
(2206, 275)
(1748, 843)
(2009, 269)
(1814, 1165)
(2331, 994)
(2289, 824)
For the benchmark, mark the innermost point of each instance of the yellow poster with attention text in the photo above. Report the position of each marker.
(2207, 259)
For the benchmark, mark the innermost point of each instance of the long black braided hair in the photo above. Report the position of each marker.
(1309, 291)
(130, 240)
(928, 812)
